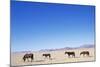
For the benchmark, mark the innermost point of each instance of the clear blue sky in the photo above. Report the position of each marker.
(36, 26)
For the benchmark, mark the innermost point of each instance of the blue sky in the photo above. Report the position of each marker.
(36, 26)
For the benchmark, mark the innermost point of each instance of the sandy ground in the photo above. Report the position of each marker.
(57, 57)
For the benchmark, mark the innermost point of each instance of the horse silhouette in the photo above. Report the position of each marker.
(47, 55)
(27, 56)
(70, 53)
(84, 53)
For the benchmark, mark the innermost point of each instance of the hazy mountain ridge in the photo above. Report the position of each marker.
(87, 46)
(68, 48)
(65, 48)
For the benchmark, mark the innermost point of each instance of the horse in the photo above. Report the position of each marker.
(70, 53)
(47, 55)
(84, 53)
(27, 56)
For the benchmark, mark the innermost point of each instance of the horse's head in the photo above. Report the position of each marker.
(43, 55)
(66, 52)
(24, 58)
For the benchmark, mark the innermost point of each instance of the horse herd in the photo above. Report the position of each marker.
(31, 56)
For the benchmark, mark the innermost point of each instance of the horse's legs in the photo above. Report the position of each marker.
(28, 59)
(88, 55)
(74, 55)
(68, 56)
(50, 58)
(24, 59)
(45, 57)
(83, 55)
(31, 59)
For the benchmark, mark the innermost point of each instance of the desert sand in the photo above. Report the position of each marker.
(57, 56)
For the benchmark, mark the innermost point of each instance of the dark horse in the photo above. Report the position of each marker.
(47, 55)
(27, 56)
(70, 53)
(84, 53)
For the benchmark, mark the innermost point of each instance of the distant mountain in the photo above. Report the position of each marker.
(87, 46)
(65, 48)
(23, 52)
(56, 49)
(68, 48)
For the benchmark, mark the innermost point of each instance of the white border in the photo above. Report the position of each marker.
(4, 33)
(82, 2)
(5, 38)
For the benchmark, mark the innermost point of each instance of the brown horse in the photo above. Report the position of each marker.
(84, 53)
(47, 55)
(27, 56)
(70, 53)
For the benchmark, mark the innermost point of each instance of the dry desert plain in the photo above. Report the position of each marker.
(57, 56)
